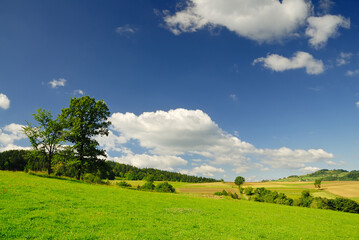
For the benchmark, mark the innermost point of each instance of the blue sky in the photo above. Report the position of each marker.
(214, 88)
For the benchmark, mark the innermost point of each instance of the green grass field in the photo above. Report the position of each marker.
(33, 207)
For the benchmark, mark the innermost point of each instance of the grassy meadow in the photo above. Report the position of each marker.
(33, 207)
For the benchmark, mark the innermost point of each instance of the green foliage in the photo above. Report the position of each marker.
(133, 173)
(13, 160)
(84, 119)
(239, 180)
(46, 137)
(234, 195)
(148, 186)
(306, 199)
(317, 183)
(165, 187)
(91, 178)
(123, 184)
(248, 191)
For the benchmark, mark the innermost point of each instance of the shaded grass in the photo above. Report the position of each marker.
(43, 208)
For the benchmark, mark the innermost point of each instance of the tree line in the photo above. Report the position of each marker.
(306, 200)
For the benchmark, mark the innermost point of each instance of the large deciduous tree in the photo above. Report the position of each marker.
(45, 137)
(85, 119)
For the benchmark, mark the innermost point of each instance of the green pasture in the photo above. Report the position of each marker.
(33, 207)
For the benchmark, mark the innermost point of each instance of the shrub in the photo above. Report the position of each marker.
(148, 186)
(165, 187)
(248, 191)
(123, 184)
(234, 195)
(90, 178)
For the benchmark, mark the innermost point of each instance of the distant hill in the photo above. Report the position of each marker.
(325, 175)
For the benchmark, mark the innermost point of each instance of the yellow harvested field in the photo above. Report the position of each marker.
(205, 190)
(344, 189)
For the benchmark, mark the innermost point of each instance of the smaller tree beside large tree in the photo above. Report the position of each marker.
(46, 137)
(317, 183)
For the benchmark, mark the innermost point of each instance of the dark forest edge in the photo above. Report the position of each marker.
(22, 160)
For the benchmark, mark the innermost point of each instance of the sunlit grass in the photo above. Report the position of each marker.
(44, 208)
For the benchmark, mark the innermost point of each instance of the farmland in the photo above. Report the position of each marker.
(329, 189)
(44, 208)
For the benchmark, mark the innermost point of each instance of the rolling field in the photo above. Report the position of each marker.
(293, 190)
(33, 207)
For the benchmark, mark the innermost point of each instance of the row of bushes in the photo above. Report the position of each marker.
(306, 200)
(149, 186)
(225, 193)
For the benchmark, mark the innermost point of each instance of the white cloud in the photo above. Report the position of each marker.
(126, 30)
(204, 170)
(309, 169)
(78, 92)
(168, 136)
(9, 134)
(320, 29)
(299, 60)
(233, 97)
(164, 162)
(344, 58)
(352, 73)
(57, 83)
(246, 18)
(288, 158)
(357, 104)
(4, 101)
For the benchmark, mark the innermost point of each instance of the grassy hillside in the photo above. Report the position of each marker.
(43, 208)
(325, 175)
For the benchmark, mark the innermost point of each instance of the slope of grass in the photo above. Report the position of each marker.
(43, 208)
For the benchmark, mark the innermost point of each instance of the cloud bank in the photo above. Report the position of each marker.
(176, 138)
(299, 60)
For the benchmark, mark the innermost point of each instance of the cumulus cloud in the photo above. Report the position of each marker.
(288, 158)
(351, 73)
(164, 162)
(169, 137)
(320, 29)
(4, 101)
(344, 58)
(204, 170)
(58, 83)
(299, 60)
(246, 18)
(9, 134)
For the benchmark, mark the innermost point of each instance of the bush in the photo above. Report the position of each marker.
(234, 195)
(123, 184)
(148, 186)
(248, 191)
(89, 177)
(165, 187)
(223, 193)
